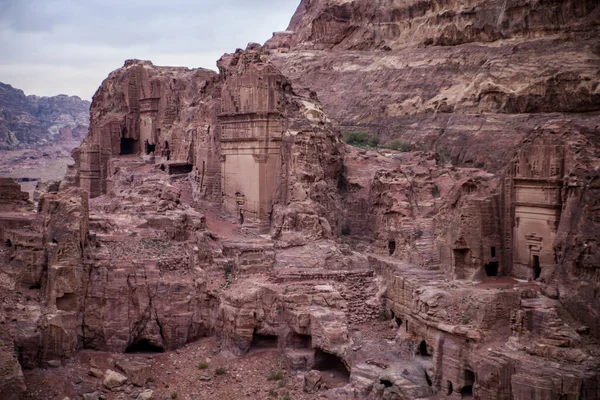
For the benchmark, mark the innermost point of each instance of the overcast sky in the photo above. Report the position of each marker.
(49, 47)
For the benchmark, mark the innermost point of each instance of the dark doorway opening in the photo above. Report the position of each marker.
(299, 341)
(537, 270)
(392, 246)
(127, 146)
(423, 349)
(150, 148)
(398, 321)
(450, 388)
(386, 383)
(68, 302)
(493, 251)
(491, 269)
(467, 389)
(330, 362)
(143, 346)
(263, 341)
(8, 243)
(180, 168)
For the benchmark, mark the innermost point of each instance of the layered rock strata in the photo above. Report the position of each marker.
(225, 205)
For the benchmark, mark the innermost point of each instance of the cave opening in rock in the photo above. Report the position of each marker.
(180, 168)
(386, 383)
(537, 270)
(491, 269)
(8, 243)
(467, 389)
(67, 302)
(150, 148)
(423, 349)
(493, 251)
(299, 341)
(143, 346)
(392, 247)
(263, 341)
(450, 388)
(330, 362)
(127, 146)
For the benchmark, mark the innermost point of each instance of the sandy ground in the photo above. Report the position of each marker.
(42, 164)
(176, 375)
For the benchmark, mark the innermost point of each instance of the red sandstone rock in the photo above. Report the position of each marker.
(396, 275)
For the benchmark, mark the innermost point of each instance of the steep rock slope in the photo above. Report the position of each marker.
(33, 120)
(452, 75)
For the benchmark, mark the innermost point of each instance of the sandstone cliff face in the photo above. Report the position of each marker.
(418, 71)
(469, 272)
(33, 120)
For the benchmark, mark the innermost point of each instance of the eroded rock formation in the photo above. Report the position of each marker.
(226, 205)
(32, 120)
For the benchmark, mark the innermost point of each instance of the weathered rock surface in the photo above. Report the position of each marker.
(226, 205)
(456, 76)
(33, 120)
(113, 379)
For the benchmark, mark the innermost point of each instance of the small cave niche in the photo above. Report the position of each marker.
(180, 168)
(260, 341)
(8, 243)
(162, 167)
(450, 388)
(331, 363)
(537, 270)
(386, 383)
(491, 269)
(68, 302)
(298, 341)
(461, 260)
(423, 349)
(127, 146)
(392, 247)
(143, 346)
(396, 319)
(467, 389)
(150, 148)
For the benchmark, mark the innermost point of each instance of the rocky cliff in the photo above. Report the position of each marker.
(33, 120)
(447, 75)
(225, 205)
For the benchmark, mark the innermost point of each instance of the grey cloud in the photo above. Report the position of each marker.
(93, 37)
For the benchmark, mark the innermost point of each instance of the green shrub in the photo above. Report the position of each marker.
(220, 371)
(374, 141)
(174, 395)
(354, 137)
(202, 365)
(383, 315)
(399, 145)
(286, 397)
(272, 393)
(228, 270)
(275, 375)
(444, 155)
